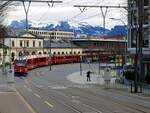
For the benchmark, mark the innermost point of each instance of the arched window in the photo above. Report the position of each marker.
(54, 53)
(40, 53)
(12, 55)
(66, 53)
(74, 52)
(20, 53)
(62, 53)
(27, 53)
(58, 53)
(33, 53)
(45, 53)
(78, 52)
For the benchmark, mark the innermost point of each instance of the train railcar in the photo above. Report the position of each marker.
(22, 65)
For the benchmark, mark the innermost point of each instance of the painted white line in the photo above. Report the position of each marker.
(25, 86)
(30, 90)
(25, 102)
(6, 92)
(50, 105)
(38, 96)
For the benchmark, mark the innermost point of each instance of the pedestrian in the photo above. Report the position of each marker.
(88, 76)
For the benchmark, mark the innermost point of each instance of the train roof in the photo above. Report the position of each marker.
(30, 57)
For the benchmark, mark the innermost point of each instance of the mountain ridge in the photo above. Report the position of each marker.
(88, 30)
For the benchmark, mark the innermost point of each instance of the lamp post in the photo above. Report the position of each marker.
(125, 52)
(50, 66)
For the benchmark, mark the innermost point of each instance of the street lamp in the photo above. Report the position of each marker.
(116, 19)
(50, 53)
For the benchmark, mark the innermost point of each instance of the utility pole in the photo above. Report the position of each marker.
(139, 73)
(104, 12)
(50, 53)
(26, 8)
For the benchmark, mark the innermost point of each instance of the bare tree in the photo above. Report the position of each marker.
(4, 8)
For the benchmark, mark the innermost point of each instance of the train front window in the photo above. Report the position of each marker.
(20, 62)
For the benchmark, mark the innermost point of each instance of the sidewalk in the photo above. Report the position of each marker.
(10, 99)
(82, 79)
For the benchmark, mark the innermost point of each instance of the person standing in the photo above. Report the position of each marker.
(88, 76)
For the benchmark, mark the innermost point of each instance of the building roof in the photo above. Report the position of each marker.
(59, 44)
(15, 33)
(99, 39)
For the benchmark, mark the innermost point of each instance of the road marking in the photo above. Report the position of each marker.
(30, 90)
(50, 105)
(25, 86)
(40, 86)
(25, 102)
(57, 87)
(38, 96)
(6, 92)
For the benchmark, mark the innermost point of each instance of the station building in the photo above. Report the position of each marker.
(28, 43)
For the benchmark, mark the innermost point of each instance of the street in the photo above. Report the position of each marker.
(50, 92)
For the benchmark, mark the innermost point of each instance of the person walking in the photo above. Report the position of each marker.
(88, 76)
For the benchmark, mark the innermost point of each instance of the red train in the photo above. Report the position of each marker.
(23, 64)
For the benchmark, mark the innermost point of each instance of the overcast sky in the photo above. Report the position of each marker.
(41, 13)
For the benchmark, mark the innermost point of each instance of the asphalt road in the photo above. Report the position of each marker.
(50, 92)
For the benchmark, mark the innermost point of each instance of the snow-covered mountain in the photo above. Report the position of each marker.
(88, 30)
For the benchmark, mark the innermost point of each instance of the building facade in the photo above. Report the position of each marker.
(95, 47)
(133, 34)
(56, 35)
(133, 23)
(26, 43)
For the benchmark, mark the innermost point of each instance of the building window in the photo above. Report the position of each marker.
(13, 44)
(27, 43)
(33, 43)
(21, 43)
(39, 43)
(58, 53)
(62, 53)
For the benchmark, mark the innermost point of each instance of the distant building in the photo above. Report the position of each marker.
(57, 35)
(61, 47)
(133, 25)
(95, 47)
